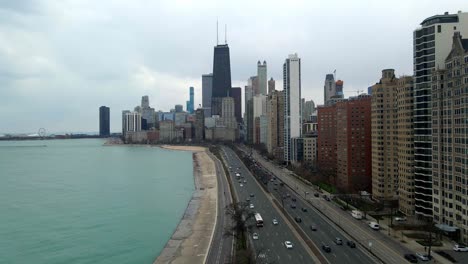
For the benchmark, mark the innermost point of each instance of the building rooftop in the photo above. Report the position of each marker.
(438, 19)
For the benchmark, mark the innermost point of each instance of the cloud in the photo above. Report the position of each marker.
(61, 60)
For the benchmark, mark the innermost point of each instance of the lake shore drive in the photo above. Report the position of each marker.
(191, 240)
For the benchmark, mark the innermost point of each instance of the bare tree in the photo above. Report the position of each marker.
(240, 215)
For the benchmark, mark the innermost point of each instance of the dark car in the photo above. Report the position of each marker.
(411, 258)
(298, 219)
(316, 194)
(281, 184)
(326, 248)
(304, 209)
(351, 244)
(247, 199)
(252, 195)
(313, 227)
(327, 198)
(293, 206)
(293, 199)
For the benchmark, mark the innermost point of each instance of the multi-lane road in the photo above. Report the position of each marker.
(384, 248)
(270, 245)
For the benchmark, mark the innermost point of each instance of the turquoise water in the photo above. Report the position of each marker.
(76, 201)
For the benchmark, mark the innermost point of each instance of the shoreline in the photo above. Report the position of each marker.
(192, 237)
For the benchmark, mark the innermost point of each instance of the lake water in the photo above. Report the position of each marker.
(77, 201)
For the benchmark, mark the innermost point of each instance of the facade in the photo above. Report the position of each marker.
(167, 131)
(339, 88)
(258, 109)
(124, 121)
(292, 102)
(310, 149)
(450, 140)
(132, 122)
(329, 89)
(263, 129)
(432, 44)
(271, 86)
(308, 108)
(236, 93)
(405, 103)
(207, 86)
(104, 121)
(262, 77)
(190, 102)
(221, 77)
(227, 113)
(384, 121)
(353, 139)
(179, 108)
(200, 124)
(297, 150)
(145, 101)
(326, 141)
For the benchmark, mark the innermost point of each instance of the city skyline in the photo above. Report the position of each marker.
(63, 78)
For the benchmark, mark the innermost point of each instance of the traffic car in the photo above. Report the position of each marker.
(252, 195)
(304, 209)
(422, 256)
(313, 227)
(298, 219)
(288, 244)
(293, 199)
(326, 248)
(351, 244)
(400, 218)
(293, 206)
(251, 206)
(316, 194)
(255, 236)
(374, 225)
(338, 241)
(275, 222)
(460, 248)
(411, 258)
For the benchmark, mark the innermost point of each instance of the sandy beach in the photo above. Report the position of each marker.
(192, 238)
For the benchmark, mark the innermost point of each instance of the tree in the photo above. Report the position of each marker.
(240, 215)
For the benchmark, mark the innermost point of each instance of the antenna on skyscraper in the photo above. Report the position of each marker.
(225, 33)
(217, 42)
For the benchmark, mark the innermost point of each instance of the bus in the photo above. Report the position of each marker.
(258, 219)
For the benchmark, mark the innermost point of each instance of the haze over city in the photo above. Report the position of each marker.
(59, 61)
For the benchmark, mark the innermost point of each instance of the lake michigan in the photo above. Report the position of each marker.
(77, 201)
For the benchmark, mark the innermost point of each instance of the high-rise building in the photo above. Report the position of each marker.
(207, 87)
(271, 86)
(124, 121)
(145, 101)
(148, 114)
(292, 102)
(236, 93)
(432, 43)
(308, 108)
(339, 89)
(199, 124)
(258, 110)
(179, 108)
(405, 103)
(385, 137)
(104, 121)
(190, 102)
(329, 89)
(253, 81)
(450, 141)
(228, 113)
(262, 77)
(344, 143)
(221, 77)
(132, 122)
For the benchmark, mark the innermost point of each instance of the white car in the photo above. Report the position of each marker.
(288, 244)
(422, 256)
(400, 219)
(251, 206)
(275, 222)
(374, 225)
(255, 236)
(241, 185)
(245, 181)
(460, 248)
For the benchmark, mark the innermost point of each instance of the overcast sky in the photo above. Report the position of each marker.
(61, 60)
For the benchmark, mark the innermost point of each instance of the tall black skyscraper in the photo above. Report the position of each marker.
(104, 121)
(221, 77)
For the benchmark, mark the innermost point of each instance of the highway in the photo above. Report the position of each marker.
(221, 248)
(375, 242)
(270, 246)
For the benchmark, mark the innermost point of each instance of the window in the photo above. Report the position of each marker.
(439, 28)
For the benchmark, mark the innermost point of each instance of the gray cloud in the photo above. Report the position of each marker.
(61, 60)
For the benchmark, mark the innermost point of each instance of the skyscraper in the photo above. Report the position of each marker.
(104, 121)
(144, 101)
(329, 89)
(190, 103)
(262, 77)
(339, 89)
(292, 102)
(221, 77)
(432, 43)
(207, 87)
(236, 93)
(450, 140)
(271, 86)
